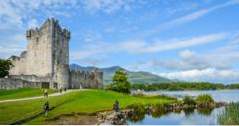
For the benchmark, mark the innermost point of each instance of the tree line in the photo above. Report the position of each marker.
(184, 86)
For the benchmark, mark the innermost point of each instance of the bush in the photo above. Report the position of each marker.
(230, 116)
(188, 100)
(204, 100)
(120, 82)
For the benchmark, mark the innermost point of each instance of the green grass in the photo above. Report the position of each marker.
(88, 101)
(21, 93)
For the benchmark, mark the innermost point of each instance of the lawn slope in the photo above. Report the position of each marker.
(21, 93)
(88, 101)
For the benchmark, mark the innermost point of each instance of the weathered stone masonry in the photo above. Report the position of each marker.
(46, 60)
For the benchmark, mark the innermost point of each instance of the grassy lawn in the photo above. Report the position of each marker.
(87, 101)
(21, 93)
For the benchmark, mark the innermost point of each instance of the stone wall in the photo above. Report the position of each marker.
(10, 83)
(86, 79)
(31, 78)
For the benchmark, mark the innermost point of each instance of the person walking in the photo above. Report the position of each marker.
(46, 108)
(46, 93)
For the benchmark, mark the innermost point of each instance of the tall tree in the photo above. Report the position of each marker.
(5, 66)
(120, 82)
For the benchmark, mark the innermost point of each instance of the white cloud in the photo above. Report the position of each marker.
(209, 74)
(108, 6)
(187, 18)
(198, 14)
(186, 54)
(172, 44)
(33, 23)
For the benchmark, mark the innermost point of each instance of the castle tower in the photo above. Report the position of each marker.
(48, 53)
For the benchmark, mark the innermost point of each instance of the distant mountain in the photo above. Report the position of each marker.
(134, 77)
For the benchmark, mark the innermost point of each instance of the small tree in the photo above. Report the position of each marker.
(5, 66)
(120, 82)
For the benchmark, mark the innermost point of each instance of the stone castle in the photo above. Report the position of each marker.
(46, 61)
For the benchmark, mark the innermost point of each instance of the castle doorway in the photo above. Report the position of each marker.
(45, 85)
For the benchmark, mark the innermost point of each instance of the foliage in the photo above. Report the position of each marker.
(204, 100)
(189, 100)
(120, 82)
(5, 66)
(233, 86)
(85, 101)
(230, 116)
(179, 86)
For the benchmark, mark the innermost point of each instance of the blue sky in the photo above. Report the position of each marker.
(187, 40)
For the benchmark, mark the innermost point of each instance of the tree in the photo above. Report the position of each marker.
(120, 82)
(5, 66)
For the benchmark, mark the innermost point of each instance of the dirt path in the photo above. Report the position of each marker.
(39, 97)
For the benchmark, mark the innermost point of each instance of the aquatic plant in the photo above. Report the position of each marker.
(187, 100)
(159, 110)
(205, 100)
(138, 113)
(230, 116)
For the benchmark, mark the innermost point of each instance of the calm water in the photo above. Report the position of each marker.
(191, 117)
(218, 95)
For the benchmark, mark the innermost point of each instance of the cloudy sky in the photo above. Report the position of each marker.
(195, 40)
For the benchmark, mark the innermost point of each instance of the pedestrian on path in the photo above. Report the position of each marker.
(46, 93)
(46, 108)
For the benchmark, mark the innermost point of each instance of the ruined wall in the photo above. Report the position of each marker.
(10, 83)
(20, 63)
(31, 78)
(86, 79)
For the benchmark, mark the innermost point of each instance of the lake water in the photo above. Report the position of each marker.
(218, 95)
(192, 117)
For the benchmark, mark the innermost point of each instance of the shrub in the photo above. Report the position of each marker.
(204, 100)
(5, 66)
(230, 116)
(120, 82)
(188, 100)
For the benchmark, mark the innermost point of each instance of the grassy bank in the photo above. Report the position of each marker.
(21, 93)
(88, 101)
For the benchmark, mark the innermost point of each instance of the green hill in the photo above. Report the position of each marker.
(134, 77)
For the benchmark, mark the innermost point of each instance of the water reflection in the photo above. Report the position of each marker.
(205, 111)
(202, 116)
(185, 116)
(188, 111)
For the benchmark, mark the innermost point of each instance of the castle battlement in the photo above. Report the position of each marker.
(50, 25)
